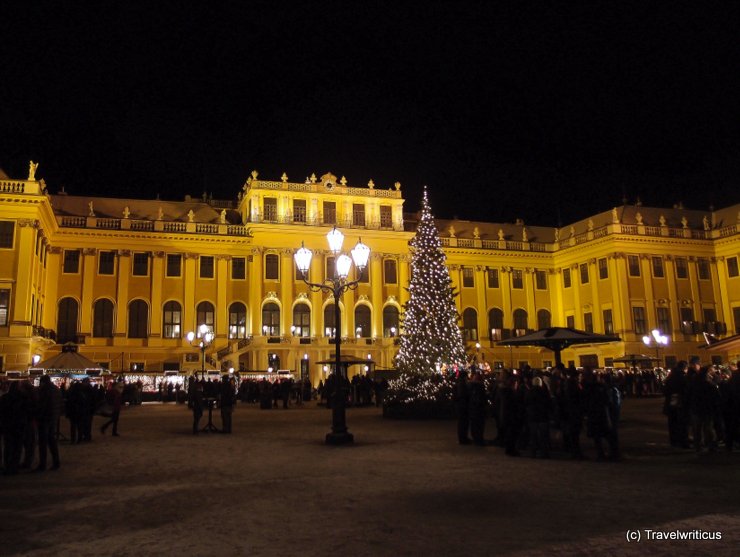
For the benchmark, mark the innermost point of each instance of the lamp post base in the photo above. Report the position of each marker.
(345, 438)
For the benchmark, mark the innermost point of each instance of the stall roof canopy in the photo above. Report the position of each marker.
(69, 359)
(729, 343)
(558, 338)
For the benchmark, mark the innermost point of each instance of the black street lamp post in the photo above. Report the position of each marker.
(336, 285)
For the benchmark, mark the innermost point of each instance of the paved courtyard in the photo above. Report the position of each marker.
(404, 488)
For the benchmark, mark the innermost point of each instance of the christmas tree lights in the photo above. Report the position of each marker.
(430, 341)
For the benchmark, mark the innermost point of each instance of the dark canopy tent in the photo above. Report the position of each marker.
(69, 359)
(557, 339)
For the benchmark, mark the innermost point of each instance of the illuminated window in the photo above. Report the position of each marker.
(566, 278)
(702, 267)
(270, 209)
(358, 214)
(172, 320)
(271, 319)
(329, 321)
(608, 322)
(638, 317)
(664, 320)
(583, 268)
(302, 320)
(470, 325)
(732, 269)
(4, 306)
(205, 315)
(588, 322)
(299, 210)
(496, 323)
(390, 321)
(237, 320)
(363, 326)
(520, 322)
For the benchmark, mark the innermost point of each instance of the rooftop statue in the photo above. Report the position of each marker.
(32, 166)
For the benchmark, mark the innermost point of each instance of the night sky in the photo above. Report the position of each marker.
(543, 111)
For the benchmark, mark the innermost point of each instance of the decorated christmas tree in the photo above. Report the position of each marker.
(430, 341)
(431, 337)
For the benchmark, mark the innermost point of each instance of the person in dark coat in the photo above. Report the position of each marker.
(478, 405)
(511, 414)
(87, 405)
(196, 405)
(114, 397)
(538, 411)
(731, 408)
(16, 412)
(227, 399)
(596, 405)
(572, 410)
(462, 407)
(675, 406)
(48, 410)
(703, 405)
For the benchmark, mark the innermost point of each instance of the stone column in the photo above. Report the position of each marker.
(189, 278)
(376, 292)
(88, 284)
(255, 291)
(157, 280)
(122, 280)
(287, 277)
(222, 311)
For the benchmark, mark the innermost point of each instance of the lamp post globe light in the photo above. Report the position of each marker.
(336, 285)
(658, 339)
(202, 340)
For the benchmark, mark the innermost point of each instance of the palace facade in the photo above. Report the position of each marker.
(127, 279)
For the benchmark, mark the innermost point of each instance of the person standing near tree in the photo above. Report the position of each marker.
(196, 404)
(462, 406)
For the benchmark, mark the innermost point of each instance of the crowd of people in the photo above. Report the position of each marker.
(30, 419)
(533, 409)
(702, 405)
(528, 405)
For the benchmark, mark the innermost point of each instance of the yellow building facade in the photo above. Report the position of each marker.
(126, 279)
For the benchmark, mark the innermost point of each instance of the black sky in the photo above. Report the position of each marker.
(541, 111)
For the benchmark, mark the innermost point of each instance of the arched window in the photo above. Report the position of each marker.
(138, 319)
(390, 321)
(237, 320)
(496, 323)
(520, 322)
(302, 320)
(329, 321)
(67, 320)
(543, 319)
(103, 318)
(271, 319)
(205, 314)
(172, 320)
(363, 326)
(470, 325)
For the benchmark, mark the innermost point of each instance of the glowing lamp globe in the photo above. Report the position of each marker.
(360, 255)
(344, 263)
(303, 259)
(336, 239)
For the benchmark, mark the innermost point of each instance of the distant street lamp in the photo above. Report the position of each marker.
(336, 285)
(657, 339)
(202, 341)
